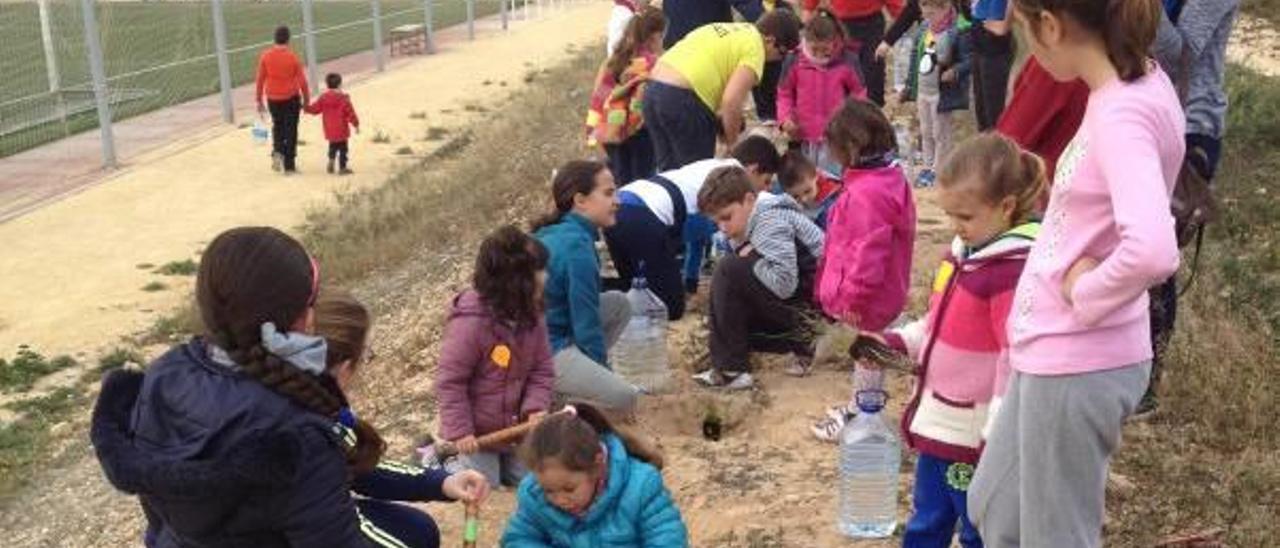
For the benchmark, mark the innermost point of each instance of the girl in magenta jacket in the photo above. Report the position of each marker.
(866, 261)
(866, 265)
(817, 80)
(495, 367)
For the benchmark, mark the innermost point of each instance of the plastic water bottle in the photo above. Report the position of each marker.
(260, 133)
(641, 353)
(870, 455)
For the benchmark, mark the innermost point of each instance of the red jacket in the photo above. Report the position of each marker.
(853, 9)
(1044, 114)
(280, 76)
(339, 115)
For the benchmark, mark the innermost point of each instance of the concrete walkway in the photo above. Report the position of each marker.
(72, 271)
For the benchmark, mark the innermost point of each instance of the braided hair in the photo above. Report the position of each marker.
(253, 275)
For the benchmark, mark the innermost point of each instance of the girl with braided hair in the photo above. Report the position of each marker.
(249, 399)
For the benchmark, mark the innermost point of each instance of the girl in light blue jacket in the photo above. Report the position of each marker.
(591, 486)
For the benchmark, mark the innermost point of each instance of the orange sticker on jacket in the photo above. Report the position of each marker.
(501, 355)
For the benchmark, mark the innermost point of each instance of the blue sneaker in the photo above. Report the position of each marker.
(926, 179)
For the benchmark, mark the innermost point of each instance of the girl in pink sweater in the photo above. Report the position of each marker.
(817, 80)
(989, 190)
(1079, 329)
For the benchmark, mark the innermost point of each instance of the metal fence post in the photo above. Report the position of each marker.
(378, 55)
(93, 44)
(471, 19)
(224, 65)
(309, 41)
(430, 30)
(50, 54)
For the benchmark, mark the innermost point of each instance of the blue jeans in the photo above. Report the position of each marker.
(937, 507)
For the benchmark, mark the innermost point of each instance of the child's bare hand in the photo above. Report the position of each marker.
(536, 417)
(467, 445)
(949, 76)
(1082, 266)
(467, 486)
(790, 128)
(745, 251)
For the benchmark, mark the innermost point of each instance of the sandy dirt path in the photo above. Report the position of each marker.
(69, 275)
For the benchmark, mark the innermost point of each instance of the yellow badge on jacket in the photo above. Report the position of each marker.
(501, 355)
(944, 276)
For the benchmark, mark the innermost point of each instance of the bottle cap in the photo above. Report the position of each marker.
(871, 401)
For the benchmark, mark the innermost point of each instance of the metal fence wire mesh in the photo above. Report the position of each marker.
(161, 53)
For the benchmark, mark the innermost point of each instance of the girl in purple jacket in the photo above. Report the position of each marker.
(495, 367)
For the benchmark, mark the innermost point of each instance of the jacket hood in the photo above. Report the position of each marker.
(1017, 241)
(768, 202)
(839, 50)
(468, 303)
(619, 474)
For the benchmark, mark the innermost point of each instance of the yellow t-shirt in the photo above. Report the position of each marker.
(708, 56)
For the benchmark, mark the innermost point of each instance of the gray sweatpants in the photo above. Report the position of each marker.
(1042, 477)
(580, 378)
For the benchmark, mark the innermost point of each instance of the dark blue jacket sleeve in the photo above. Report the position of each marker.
(320, 511)
(402, 482)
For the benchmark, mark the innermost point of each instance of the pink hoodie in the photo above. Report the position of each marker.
(866, 263)
(1109, 202)
(810, 94)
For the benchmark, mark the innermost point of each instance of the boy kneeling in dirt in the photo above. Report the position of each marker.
(760, 292)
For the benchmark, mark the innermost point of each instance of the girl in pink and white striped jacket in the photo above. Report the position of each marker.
(989, 190)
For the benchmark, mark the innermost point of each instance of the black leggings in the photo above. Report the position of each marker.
(869, 32)
(338, 150)
(284, 129)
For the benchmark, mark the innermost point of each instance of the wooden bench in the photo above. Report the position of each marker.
(408, 40)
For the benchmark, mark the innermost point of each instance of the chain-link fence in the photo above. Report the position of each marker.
(158, 53)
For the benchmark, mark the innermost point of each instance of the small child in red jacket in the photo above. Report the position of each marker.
(339, 117)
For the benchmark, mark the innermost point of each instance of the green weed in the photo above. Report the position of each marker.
(153, 287)
(27, 367)
(186, 267)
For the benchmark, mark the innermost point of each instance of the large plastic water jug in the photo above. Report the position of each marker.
(261, 133)
(640, 356)
(870, 454)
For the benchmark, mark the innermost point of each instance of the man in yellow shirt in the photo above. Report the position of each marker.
(697, 89)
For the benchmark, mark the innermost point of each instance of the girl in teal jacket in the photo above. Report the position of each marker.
(591, 486)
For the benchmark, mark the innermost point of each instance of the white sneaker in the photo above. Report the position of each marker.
(716, 379)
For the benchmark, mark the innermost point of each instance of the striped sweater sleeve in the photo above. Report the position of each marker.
(774, 238)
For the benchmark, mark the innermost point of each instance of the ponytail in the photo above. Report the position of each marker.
(250, 276)
(646, 23)
(1002, 168)
(573, 178)
(1127, 27)
(823, 26)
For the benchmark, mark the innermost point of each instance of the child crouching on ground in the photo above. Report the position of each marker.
(591, 485)
(495, 365)
(339, 117)
(989, 190)
(759, 293)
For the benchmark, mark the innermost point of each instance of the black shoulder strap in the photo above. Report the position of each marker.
(679, 209)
